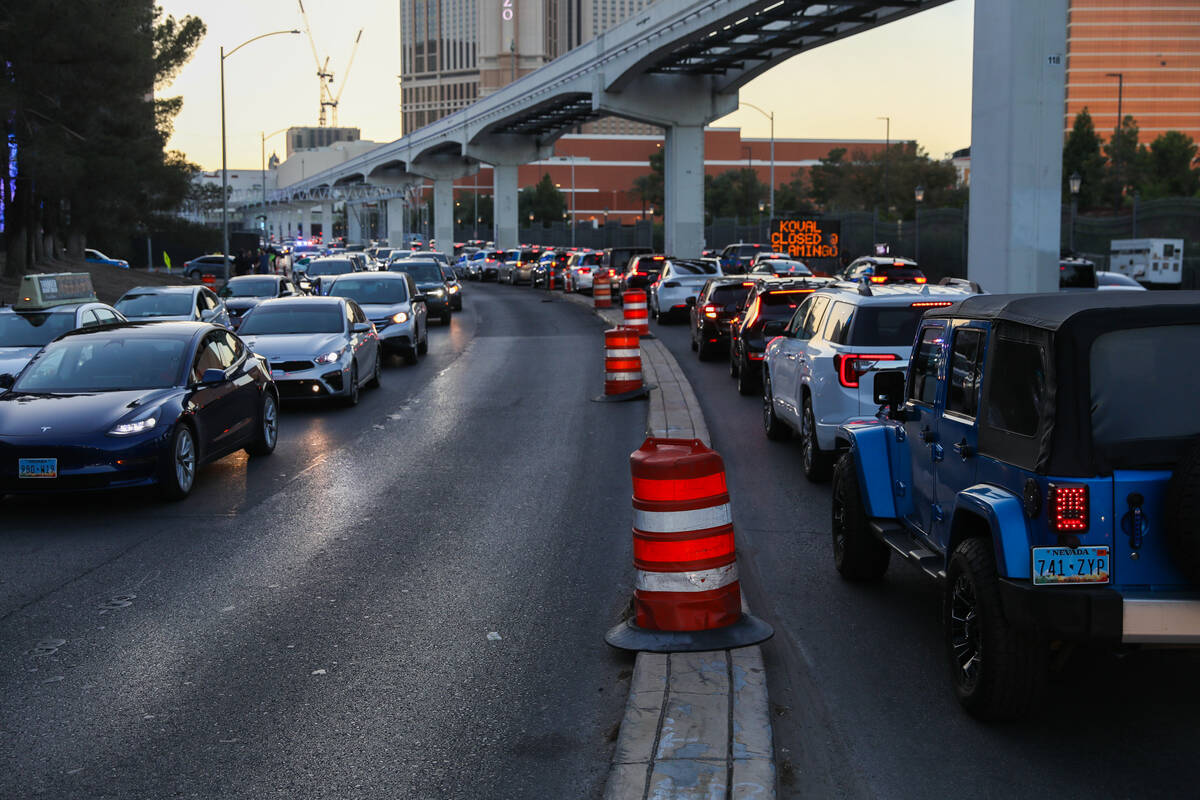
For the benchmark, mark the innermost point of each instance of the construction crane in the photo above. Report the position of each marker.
(327, 98)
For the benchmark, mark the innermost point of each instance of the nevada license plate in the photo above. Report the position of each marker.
(1054, 566)
(37, 467)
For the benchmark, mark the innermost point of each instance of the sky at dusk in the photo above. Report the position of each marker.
(916, 71)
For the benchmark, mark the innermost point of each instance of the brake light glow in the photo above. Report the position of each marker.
(794, 291)
(584, 270)
(919, 280)
(659, 258)
(711, 310)
(752, 312)
(1069, 508)
(933, 304)
(897, 263)
(851, 366)
(878, 278)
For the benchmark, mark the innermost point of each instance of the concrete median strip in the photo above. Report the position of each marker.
(696, 725)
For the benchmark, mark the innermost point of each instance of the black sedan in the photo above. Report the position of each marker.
(131, 405)
(429, 279)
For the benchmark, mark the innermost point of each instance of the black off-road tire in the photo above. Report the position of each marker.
(997, 672)
(816, 463)
(1180, 514)
(857, 554)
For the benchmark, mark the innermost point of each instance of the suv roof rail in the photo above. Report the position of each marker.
(864, 289)
(961, 283)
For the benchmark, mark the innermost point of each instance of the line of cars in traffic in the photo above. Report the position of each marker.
(169, 378)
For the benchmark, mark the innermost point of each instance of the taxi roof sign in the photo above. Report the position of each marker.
(45, 290)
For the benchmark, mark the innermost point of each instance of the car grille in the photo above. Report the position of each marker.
(291, 366)
(380, 324)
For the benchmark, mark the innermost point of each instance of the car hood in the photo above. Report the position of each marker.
(14, 359)
(431, 284)
(294, 346)
(59, 415)
(381, 310)
(171, 318)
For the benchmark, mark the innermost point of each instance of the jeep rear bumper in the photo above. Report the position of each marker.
(1102, 614)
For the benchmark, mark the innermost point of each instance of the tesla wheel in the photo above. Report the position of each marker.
(351, 399)
(815, 461)
(378, 373)
(857, 554)
(268, 427)
(773, 426)
(998, 672)
(179, 467)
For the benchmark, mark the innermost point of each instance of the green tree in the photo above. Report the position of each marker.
(735, 193)
(1081, 154)
(544, 201)
(1125, 161)
(649, 188)
(1171, 168)
(857, 183)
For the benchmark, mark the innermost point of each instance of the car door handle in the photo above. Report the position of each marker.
(964, 450)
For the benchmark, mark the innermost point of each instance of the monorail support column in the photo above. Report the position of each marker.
(504, 205)
(683, 191)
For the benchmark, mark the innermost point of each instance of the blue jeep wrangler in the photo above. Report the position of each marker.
(1040, 459)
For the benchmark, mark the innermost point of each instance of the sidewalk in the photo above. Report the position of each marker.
(697, 725)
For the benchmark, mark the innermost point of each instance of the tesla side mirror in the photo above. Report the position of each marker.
(774, 327)
(691, 301)
(212, 376)
(7, 381)
(889, 388)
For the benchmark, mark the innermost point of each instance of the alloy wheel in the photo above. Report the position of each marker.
(185, 460)
(965, 639)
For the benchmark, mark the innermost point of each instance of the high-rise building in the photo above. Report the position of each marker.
(310, 138)
(1154, 46)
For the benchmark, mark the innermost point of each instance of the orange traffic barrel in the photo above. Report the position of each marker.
(687, 596)
(634, 302)
(208, 279)
(601, 290)
(622, 367)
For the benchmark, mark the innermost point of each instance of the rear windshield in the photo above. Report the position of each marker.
(156, 304)
(293, 318)
(747, 250)
(883, 326)
(251, 287)
(1128, 411)
(332, 266)
(93, 364)
(1077, 275)
(779, 266)
(421, 271)
(779, 305)
(694, 268)
(729, 295)
(649, 266)
(588, 260)
(34, 330)
(371, 290)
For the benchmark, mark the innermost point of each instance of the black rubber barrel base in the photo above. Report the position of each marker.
(746, 631)
(636, 394)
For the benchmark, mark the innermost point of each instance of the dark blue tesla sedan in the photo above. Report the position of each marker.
(133, 404)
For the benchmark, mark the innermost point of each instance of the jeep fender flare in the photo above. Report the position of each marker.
(1003, 514)
(871, 442)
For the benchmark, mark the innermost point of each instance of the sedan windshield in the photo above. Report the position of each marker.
(34, 330)
(156, 304)
(421, 271)
(330, 266)
(95, 364)
(378, 291)
(293, 318)
(251, 287)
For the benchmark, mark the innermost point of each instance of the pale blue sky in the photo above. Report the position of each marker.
(917, 71)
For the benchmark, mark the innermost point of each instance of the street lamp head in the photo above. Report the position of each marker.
(919, 194)
(1076, 182)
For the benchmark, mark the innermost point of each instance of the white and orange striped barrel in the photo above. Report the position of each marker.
(622, 361)
(683, 541)
(636, 316)
(601, 290)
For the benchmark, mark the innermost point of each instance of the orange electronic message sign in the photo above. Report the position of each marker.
(807, 238)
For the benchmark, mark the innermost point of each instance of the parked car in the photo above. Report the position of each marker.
(818, 373)
(47, 306)
(131, 405)
(714, 311)
(1049, 458)
(173, 303)
(244, 292)
(431, 282)
(681, 279)
(395, 306)
(769, 306)
(317, 347)
(96, 257)
(208, 265)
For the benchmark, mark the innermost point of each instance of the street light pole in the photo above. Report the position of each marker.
(1075, 182)
(919, 196)
(771, 116)
(887, 154)
(573, 205)
(224, 160)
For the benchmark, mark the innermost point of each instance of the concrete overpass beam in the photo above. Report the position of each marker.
(306, 221)
(683, 190)
(354, 233)
(504, 205)
(506, 153)
(1016, 144)
(443, 214)
(396, 217)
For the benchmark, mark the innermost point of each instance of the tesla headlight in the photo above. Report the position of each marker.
(437, 292)
(400, 317)
(329, 358)
(135, 426)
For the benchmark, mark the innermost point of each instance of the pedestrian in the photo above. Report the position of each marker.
(241, 263)
(264, 262)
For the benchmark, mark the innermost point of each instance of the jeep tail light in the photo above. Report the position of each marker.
(879, 279)
(711, 310)
(919, 279)
(1069, 508)
(851, 366)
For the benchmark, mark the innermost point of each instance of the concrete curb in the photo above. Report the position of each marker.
(696, 725)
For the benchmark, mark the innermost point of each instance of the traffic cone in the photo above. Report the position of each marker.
(622, 367)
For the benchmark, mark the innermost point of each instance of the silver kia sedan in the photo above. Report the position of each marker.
(317, 347)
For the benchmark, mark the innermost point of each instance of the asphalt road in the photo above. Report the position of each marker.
(407, 600)
(857, 675)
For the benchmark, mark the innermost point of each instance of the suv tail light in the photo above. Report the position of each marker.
(851, 366)
(710, 310)
(1069, 508)
(879, 279)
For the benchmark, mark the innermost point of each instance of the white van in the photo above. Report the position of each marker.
(1153, 262)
